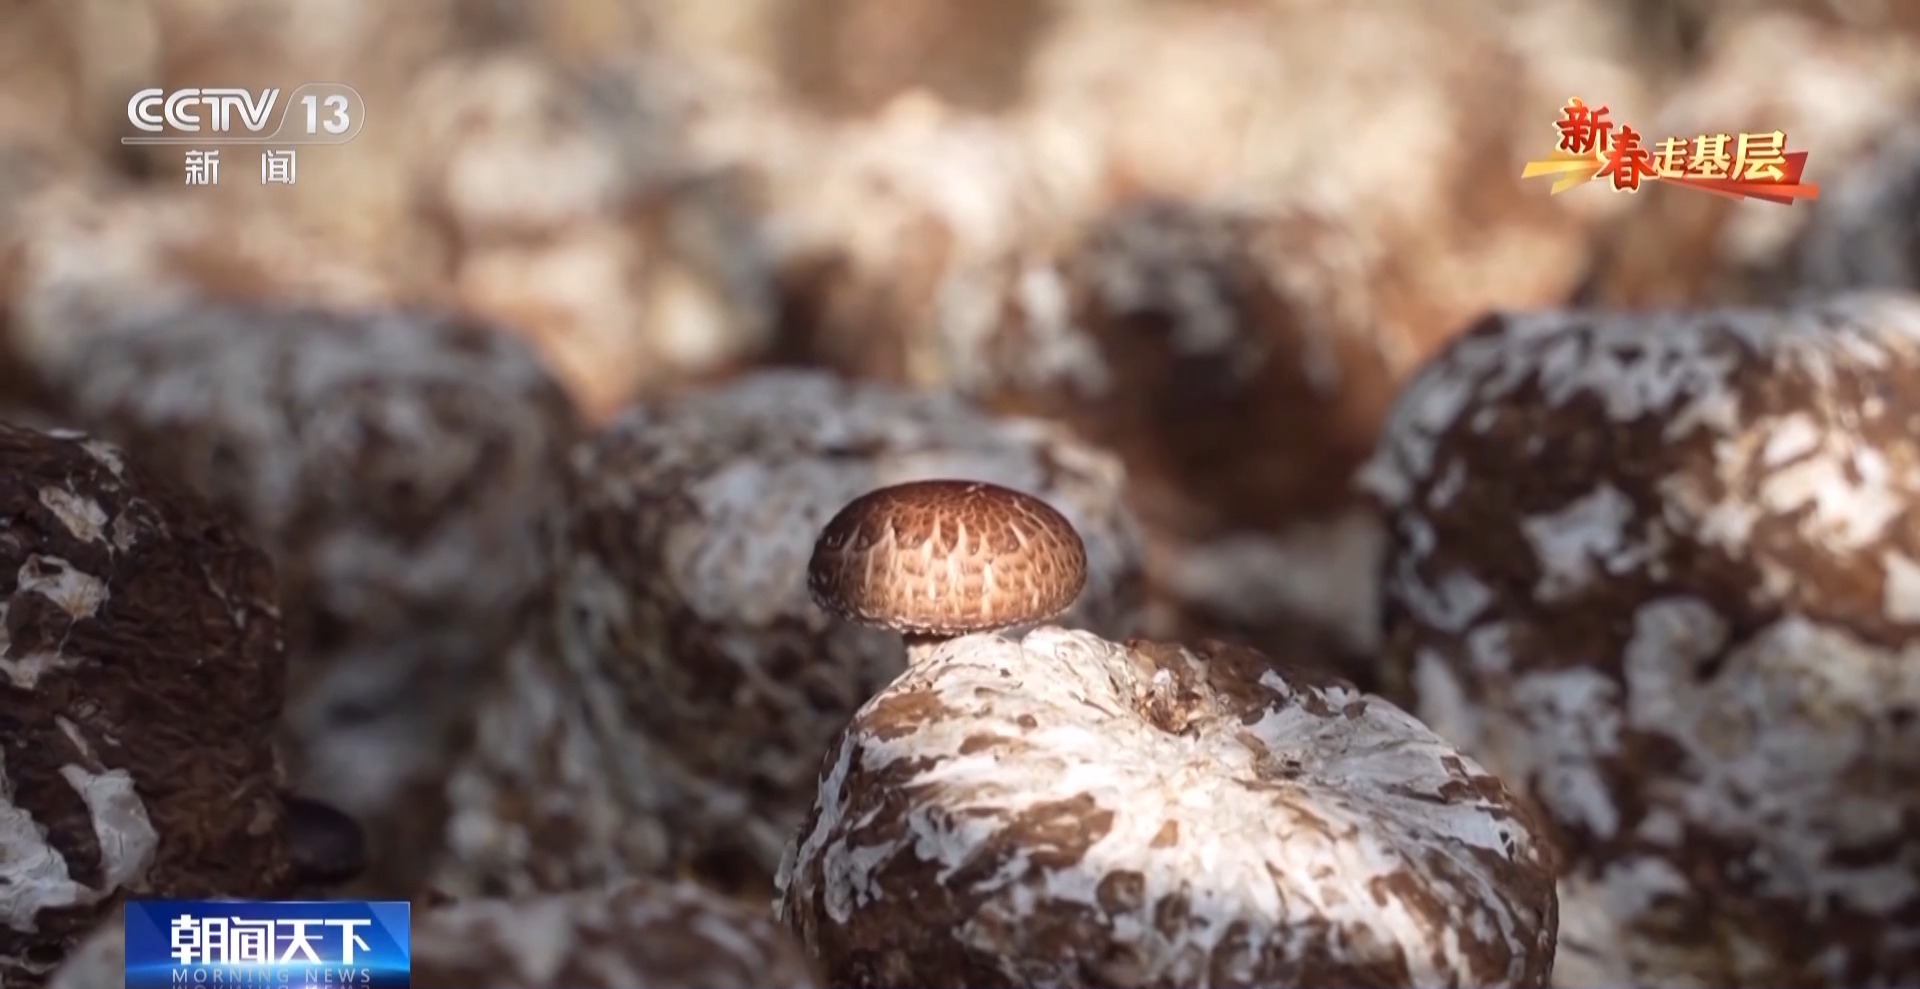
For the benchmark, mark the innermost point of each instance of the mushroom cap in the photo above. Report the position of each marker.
(1063, 810)
(684, 617)
(947, 558)
(634, 933)
(1660, 568)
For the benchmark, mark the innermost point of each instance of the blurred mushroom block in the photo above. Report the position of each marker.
(854, 56)
(61, 62)
(677, 717)
(1404, 136)
(868, 218)
(81, 251)
(1405, 121)
(1702, 18)
(1061, 810)
(1661, 571)
(1213, 239)
(574, 214)
(1239, 361)
(358, 195)
(141, 676)
(1838, 93)
(99, 961)
(633, 935)
(405, 469)
(1865, 231)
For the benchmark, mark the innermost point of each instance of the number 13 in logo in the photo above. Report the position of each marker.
(334, 112)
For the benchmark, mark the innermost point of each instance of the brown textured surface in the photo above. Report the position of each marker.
(1062, 810)
(947, 557)
(1659, 571)
(141, 672)
(633, 935)
(673, 716)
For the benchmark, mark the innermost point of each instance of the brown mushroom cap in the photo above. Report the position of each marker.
(947, 558)
(684, 616)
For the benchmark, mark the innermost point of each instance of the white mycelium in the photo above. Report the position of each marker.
(1691, 627)
(1083, 812)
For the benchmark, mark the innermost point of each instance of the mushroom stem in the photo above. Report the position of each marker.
(920, 646)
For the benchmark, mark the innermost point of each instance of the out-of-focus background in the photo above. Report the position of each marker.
(1209, 236)
(1183, 254)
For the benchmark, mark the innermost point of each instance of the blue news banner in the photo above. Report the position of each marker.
(350, 944)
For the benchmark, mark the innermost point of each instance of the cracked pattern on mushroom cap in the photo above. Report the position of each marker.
(633, 935)
(1662, 571)
(401, 466)
(685, 621)
(141, 670)
(1062, 810)
(947, 557)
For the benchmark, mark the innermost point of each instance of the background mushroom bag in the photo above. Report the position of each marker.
(1029, 493)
